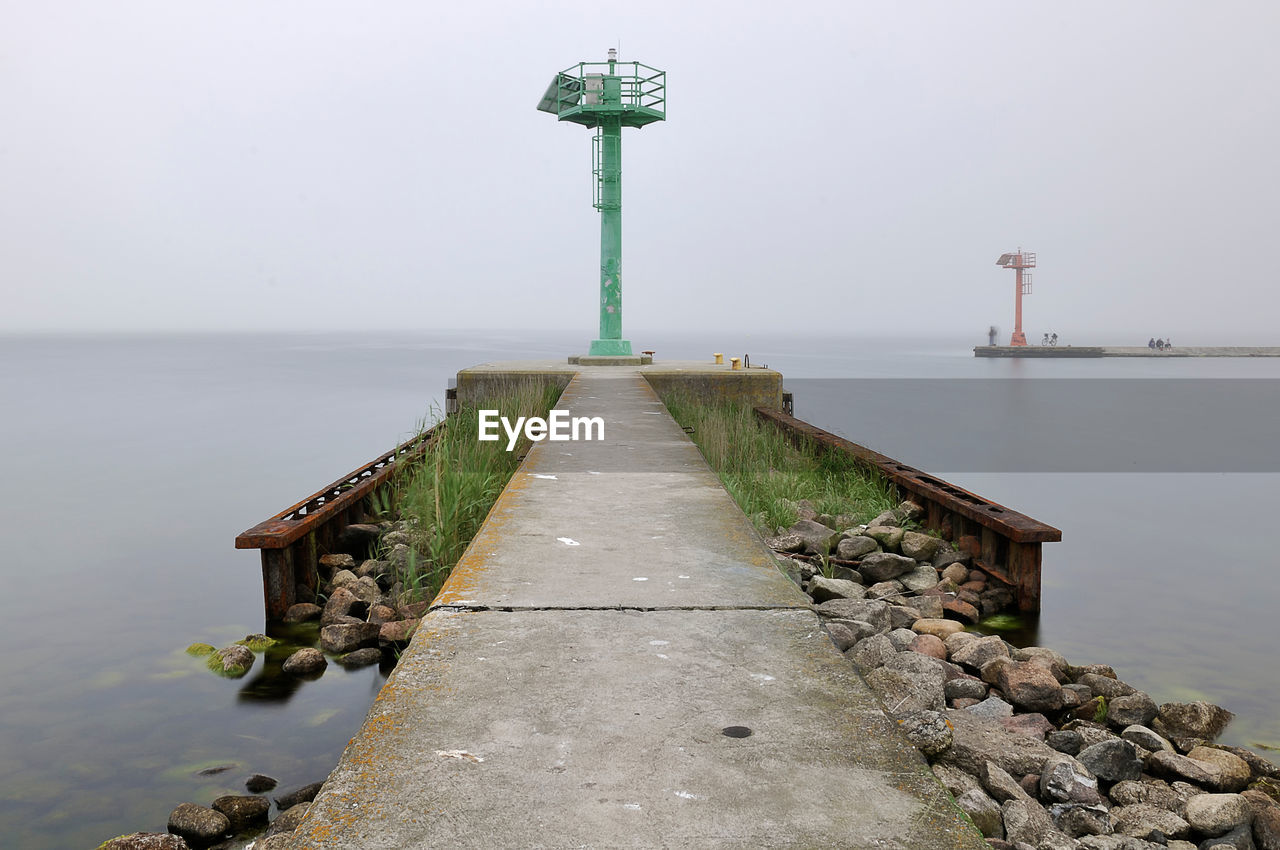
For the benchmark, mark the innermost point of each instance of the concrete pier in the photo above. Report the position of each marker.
(1069, 351)
(617, 662)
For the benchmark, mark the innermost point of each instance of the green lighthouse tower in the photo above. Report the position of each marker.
(608, 96)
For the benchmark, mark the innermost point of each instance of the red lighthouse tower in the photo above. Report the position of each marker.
(1018, 262)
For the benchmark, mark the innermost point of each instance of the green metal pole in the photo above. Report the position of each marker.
(611, 342)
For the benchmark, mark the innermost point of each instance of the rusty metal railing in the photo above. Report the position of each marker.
(293, 540)
(1002, 542)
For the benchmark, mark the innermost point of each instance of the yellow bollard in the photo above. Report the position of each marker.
(735, 362)
(719, 358)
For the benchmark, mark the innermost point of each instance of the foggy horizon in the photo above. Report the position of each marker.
(852, 169)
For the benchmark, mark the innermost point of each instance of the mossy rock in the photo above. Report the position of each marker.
(1268, 786)
(200, 650)
(257, 643)
(232, 661)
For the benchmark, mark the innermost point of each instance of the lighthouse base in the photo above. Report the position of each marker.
(618, 348)
(1019, 338)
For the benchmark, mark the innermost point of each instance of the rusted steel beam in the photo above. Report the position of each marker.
(1003, 543)
(293, 540)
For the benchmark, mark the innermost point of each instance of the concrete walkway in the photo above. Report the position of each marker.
(574, 682)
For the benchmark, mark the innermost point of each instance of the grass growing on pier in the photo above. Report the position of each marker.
(449, 490)
(767, 475)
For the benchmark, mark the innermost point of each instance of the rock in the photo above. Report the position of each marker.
(342, 603)
(1218, 814)
(1154, 792)
(305, 794)
(1135, 709)
(359, 534)
(380, 614)
(841, 635)
(348, 637)
(1174, 766)
(926, 607)
(1141, 736)
(976, 740)
(1266, 827)
(955, 780)
(1091, 733)
(145, 841)
(231, 661)
(921, 578)
(948, 555)
(958, 574)
(823, 589)
(909, 510)
(1064, 780)
(1239, 838)
(366, 590)
(1025, 821)
(908, 682)
(990, 672)
(983, 811)
(976, 654)
(860, 628)
(290, 817)
(1094, 710)
(197, 825)
(787, 543)
(992, 708)
(930, 645)
(303, 612)
(338, 562)
(901, 639)
(1030, 687)
(1069, 742)
(1229, 771)
(872, 611)
(1140, 819)
(199, 650)
(883, 566)
(888, 519)
(929, 731)
(999, 784)
(940, 628)
(965, 688)
(902, 616)
(1032, 725)
(1076, 820)
(957, 609)
(259, 782)
(818, 539)
(360, 658)
(1111, 761)
(342, 578)
(1191, 720)
(919, 546)
(305, 662)
(280, 841)
(244, 813)
(1105, 686)
(852, 548)
(872, 652)
(884, 590)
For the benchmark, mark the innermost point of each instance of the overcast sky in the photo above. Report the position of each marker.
(825, 166)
